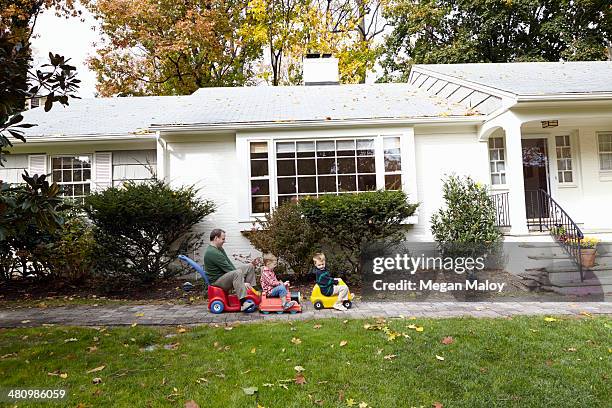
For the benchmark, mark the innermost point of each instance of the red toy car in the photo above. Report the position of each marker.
(275, 304)
(218, 300)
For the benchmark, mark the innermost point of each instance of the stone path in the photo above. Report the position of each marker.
(156, 315)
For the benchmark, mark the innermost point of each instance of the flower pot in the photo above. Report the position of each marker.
(587, 257)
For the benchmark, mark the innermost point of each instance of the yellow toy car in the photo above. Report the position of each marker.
(321, 301)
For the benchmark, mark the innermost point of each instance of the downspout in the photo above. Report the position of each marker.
(161, 150)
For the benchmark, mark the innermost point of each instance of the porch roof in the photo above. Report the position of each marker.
(532, 78)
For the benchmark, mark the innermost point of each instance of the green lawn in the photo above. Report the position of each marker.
(518, 362)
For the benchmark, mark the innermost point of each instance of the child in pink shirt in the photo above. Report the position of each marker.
(270, 285)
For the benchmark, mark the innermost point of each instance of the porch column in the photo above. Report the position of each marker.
(514, 178)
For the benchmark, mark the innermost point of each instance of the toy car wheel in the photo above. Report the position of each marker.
(217, 307)
(318, 305)
(347, 304)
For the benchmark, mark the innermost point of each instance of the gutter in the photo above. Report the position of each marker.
(603, 96)
(89, 138)
(442, 120)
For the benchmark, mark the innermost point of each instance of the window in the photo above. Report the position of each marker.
(133, 165)
(393, 163)
(315, 167)
(14, 166)
(260, 178)
(605, 151)
(497, 161)
(73, 174)
(564, 159)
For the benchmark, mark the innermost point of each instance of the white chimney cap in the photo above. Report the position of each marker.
(320, 69)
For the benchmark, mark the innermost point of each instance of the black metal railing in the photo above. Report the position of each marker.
(547, 213)
(502, 209)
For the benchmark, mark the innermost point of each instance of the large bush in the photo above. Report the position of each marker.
(30, 214)
(141, 228)
(288, 235)
(466, 225)
(344, 223)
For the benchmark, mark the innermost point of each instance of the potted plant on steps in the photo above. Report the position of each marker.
(588, 249)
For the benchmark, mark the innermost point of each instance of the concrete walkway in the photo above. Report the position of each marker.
(156, 315)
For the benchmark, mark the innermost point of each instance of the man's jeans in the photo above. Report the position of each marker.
(236, 279)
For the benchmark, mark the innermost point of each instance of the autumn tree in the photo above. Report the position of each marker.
(18, 80)
(172, 47)
(451, 31)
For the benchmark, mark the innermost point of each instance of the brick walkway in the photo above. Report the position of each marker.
(190, 315)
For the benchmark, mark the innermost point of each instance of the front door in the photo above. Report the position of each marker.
(535, 175)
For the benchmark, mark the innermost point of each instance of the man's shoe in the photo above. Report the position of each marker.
(289, 305)
(247, 306)
(339, 306)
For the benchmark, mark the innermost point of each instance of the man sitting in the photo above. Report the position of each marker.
(223, 274)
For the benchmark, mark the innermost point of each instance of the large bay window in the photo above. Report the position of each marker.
(73, 175)
(298, 168)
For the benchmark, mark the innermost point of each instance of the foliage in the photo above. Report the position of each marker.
(30, 215)
(56, 80)
(141, 228)
(345, 222)
(466, 225)
(286, 234)
(71, 254)
(448, 31)
(172, 47)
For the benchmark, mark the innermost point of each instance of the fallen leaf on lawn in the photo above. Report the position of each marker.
(345, 321)
(228, 328)
(343, 343)
(319, 402)
(70, 340)
(412, 326)
(250, 390)
(571, 349)
(298, 368)
(8, 355)
(363, 404)
(295, 340)
(350, 402)
(316, 326)
(181, 330)
(139, 314)
(134, 324)
(63, 375)
(191, 404)
(379, 351)
(97, 380)
(300, 379)
(172, 346)
(267, 385)
(245, 372)
(94, 370)
(260, 406)
(447, 340)
(390, 356)
(201, 380)
(419, 328)
(437, 405)
(440, 357)
(483, 370)
(253, 350)
(216, 344)
(367, 326)
(550, 319)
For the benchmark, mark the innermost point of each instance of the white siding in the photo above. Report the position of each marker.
(14, 167)
(211, 165)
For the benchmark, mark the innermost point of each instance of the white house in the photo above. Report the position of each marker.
(519, 127)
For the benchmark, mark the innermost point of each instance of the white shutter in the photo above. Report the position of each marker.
(103, 165)
(37, 164)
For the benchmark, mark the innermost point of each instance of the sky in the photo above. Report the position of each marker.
(71, 38)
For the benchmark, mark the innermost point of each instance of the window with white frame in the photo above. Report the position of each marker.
(393, 163)
(134, 165)
(259, 178)
(497, 160)
(73, 174)
(316, 167)
(605, 151)
(565, 173)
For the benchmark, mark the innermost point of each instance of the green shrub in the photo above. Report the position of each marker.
(289, 236)
(344, 223)
(71, 254)
(30, 213)
(466, 225)
(141, 228)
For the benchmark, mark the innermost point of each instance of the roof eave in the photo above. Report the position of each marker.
(567, 97)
